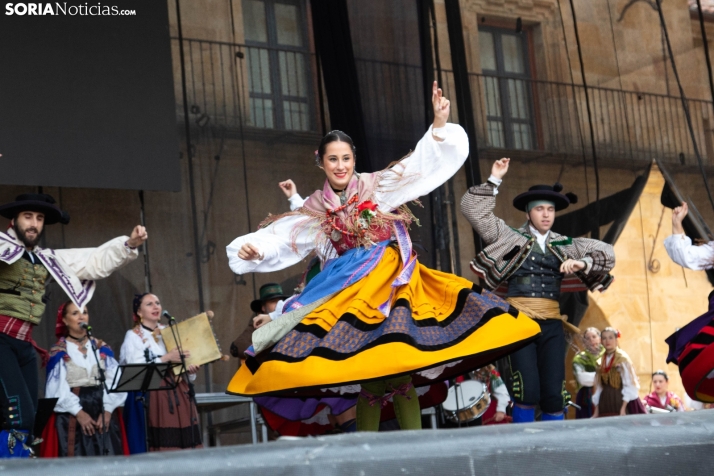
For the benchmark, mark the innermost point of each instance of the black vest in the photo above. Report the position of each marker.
(539, 276)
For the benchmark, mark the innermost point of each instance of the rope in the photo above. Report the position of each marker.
(683, 98)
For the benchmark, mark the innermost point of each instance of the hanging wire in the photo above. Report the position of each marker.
(577, 112)
(619, 77)
(685, 105)
(596, 228)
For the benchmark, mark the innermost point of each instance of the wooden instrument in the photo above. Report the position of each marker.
(197, 337)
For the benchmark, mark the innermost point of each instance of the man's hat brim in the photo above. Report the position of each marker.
(561, 201)
(257, 305)
(52, 213)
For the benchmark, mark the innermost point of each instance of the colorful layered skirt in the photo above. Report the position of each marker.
(373, 314)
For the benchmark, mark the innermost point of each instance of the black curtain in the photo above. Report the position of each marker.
(331, 30)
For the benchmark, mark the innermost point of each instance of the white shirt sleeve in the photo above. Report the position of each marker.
(502, 397)
(296, 201)
(278, 310)
(132, 349)
(630, 384)
(585, 379)
(684, 253)
(57, 387)
(597, 390)
(98, 263)
(275, 245)
(112, 400)
(430, 165)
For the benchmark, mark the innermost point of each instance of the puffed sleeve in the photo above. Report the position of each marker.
(597, 391)
(57, 387)
(275, 243)
(630, 383)
(112, 400)
(430, 165)
(132, 349)
(585, 379)
(296, 201)
(98, 263)
(501, 394)
(684, 253)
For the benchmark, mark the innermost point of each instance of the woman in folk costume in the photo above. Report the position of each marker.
(87, 420)
(661, 397)
(585, 364)
(374, 316)
(616, 383)
(692, 346)
(172, 420)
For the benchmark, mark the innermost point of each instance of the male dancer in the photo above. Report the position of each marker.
(532, 261)
(25, 269)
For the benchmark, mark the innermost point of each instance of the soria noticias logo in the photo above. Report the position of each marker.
(63, 9)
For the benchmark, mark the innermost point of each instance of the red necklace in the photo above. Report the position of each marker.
(332, 216)
(606, 369)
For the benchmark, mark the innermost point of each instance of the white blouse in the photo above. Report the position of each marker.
(684, 253)
(584, 378)
(142, 348)
(431, 164)
(83, 373)
(630, 383)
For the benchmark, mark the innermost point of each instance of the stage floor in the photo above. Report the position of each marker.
(671, 444)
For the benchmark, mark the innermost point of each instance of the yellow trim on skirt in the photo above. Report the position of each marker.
(431, 294)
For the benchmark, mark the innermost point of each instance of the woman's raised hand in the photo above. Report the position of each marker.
(288, 187)
(442, 106)
(249, 252)
(500, 167)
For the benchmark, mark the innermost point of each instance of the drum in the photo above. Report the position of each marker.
(466, 401)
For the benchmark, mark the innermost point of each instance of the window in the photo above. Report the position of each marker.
(278, 61)
(506, 76)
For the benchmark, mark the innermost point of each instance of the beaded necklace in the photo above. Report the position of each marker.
(332, 217)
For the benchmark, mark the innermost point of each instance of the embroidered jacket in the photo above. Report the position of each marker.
(508, 248)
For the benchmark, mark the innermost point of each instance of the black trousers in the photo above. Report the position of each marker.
(538, 369)
(18, 383)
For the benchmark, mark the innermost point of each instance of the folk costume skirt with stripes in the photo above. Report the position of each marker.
(437, 326)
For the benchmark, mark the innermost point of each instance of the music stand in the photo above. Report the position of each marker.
(144, 378)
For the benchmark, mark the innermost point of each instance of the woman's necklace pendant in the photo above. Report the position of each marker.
(343, 197)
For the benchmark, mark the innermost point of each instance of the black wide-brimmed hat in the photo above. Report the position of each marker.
(35, 202)
(267, 292)
(545, 192)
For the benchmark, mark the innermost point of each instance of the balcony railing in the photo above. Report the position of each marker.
(234, 85)
(230, 85)
(552, 118)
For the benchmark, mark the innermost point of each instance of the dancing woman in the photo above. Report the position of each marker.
(374, 316)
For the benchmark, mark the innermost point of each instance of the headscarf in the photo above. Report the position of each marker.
(136, 304)
(61, 329)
